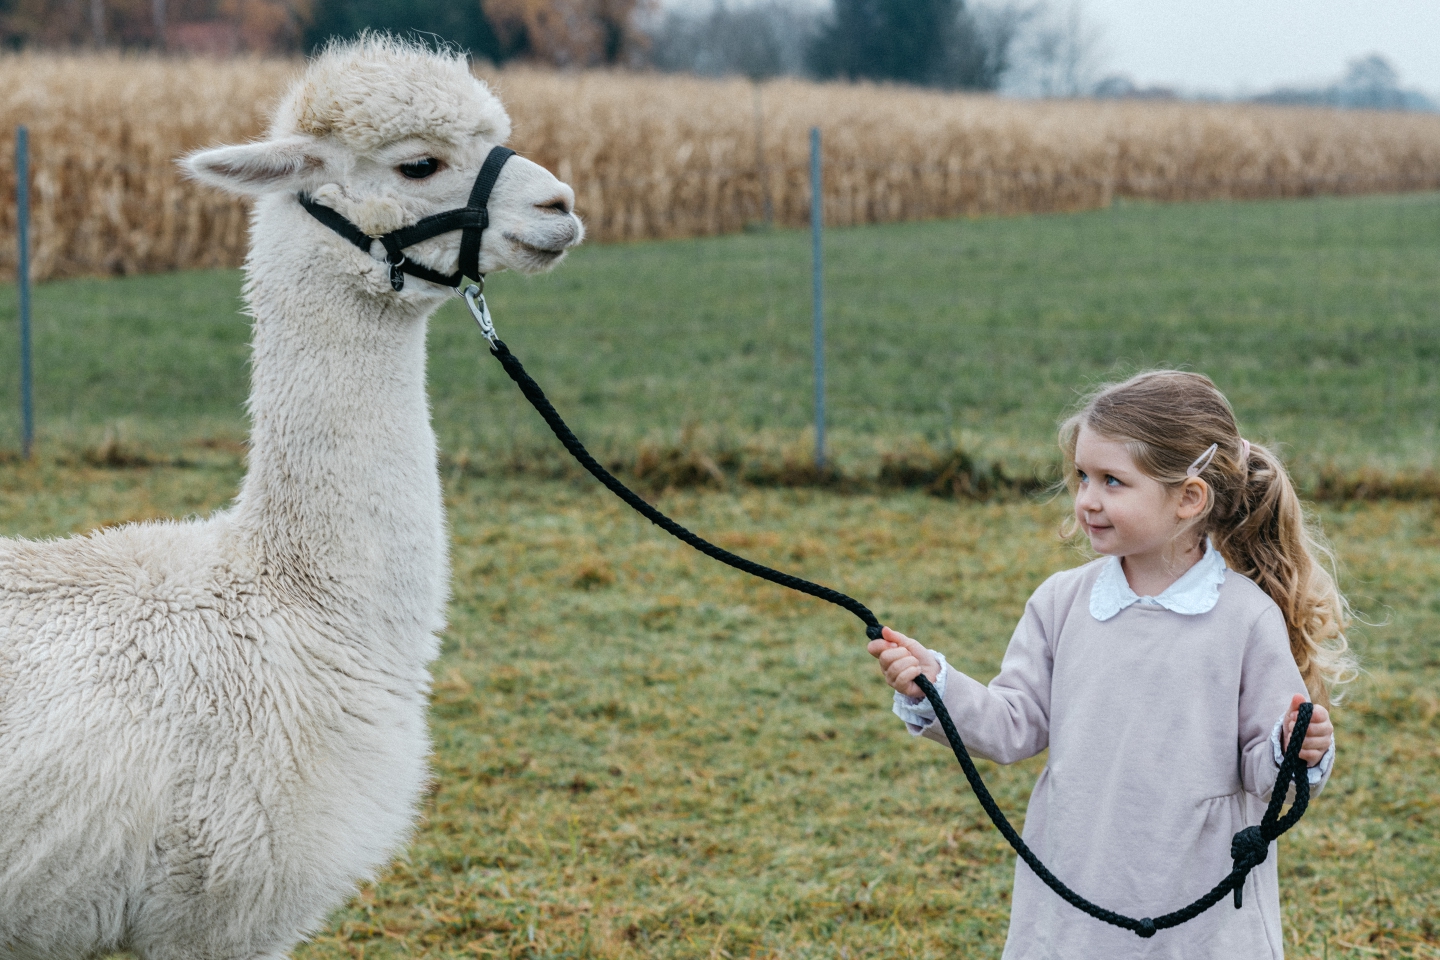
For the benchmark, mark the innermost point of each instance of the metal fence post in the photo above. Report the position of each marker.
(22, 212)
(818, 288)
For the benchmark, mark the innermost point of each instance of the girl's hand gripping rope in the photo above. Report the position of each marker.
(1317, 736)
(902, 660)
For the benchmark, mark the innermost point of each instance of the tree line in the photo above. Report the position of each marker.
(1046, 48)
(928, 42)
(562, 32)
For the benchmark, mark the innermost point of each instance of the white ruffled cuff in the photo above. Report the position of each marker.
(916, 711)
(1314, 774)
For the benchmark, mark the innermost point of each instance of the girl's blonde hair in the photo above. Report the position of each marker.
(1167, 419)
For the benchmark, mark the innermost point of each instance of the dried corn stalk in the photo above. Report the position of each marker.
(667, 156)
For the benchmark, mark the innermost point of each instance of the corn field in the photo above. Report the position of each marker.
(668, 156)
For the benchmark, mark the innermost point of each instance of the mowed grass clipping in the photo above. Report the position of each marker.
(640, 753)
(1318, 318)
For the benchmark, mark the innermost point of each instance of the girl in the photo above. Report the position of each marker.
(1163, 677)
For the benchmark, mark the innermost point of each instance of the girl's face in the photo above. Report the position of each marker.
(1124, 512)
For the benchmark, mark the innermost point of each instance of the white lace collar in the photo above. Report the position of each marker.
(1197, 591)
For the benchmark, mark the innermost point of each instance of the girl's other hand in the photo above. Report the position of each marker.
(1317, 736)
(902, 660)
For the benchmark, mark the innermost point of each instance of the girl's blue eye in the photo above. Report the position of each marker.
(1081, 475)
(1111, 482)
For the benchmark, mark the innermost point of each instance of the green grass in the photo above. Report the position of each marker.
(643, 754)
(1318, 318)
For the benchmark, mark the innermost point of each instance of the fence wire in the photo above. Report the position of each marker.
(691, 362)
(95, 214)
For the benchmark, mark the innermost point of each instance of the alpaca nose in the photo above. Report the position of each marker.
(559, 198)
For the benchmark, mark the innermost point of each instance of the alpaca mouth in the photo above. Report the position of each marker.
(535, 249)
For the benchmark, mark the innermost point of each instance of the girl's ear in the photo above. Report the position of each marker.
(1194, 495)
(271, 166)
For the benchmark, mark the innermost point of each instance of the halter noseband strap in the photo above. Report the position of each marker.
(471, 219)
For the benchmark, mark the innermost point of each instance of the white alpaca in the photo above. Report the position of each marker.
(210, 730)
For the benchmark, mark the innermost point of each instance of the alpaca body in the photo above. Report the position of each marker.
(241, 720)
(211, 729)
(225, 778)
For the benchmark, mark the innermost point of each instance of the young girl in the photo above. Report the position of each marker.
(1164, 678)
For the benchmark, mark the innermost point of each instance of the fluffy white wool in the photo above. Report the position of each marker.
(379, 90)
(209, 730)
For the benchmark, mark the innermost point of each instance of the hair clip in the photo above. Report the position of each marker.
(1202, 461)
(1244, 451)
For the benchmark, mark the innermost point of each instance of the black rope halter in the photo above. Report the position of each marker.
(472, 218)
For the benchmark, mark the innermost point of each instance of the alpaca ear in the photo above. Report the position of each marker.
(256, 168)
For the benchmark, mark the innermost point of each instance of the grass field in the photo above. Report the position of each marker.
(643, 754)
(1317, 318)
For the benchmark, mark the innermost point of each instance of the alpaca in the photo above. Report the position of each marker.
(211, 729)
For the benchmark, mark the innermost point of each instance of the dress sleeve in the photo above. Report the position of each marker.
(916, 711)
(1008, 720)
(1268, 679)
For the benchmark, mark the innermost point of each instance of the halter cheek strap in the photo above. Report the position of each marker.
(471, 219)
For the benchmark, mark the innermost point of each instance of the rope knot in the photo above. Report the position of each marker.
(1147, 928)
(1249, 848)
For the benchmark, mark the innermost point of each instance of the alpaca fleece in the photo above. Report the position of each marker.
(210, 730)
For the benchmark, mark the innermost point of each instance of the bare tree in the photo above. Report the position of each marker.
(980, 46)
(757, 41)
(1370, 82)
(569, 33)
(1060, 52)
(947, 44)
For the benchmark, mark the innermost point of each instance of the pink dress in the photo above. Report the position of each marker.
(1159, 725)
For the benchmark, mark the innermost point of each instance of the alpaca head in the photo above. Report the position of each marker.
(388, 132)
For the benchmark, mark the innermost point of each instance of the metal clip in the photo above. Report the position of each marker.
(481, 313)
(397, 274)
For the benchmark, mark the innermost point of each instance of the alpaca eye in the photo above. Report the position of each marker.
(420, 169)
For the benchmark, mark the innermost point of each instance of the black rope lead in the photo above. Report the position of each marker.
(538, 400)
(1249, 847)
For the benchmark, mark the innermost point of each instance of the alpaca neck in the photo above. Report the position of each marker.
(342, 500)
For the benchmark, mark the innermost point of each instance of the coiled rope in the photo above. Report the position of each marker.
(1248, 848)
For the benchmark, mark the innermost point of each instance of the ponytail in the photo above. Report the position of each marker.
(1266, 536)
(1168, 419)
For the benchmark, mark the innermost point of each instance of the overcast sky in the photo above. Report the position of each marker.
(1224, 46)
(1232, 46)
